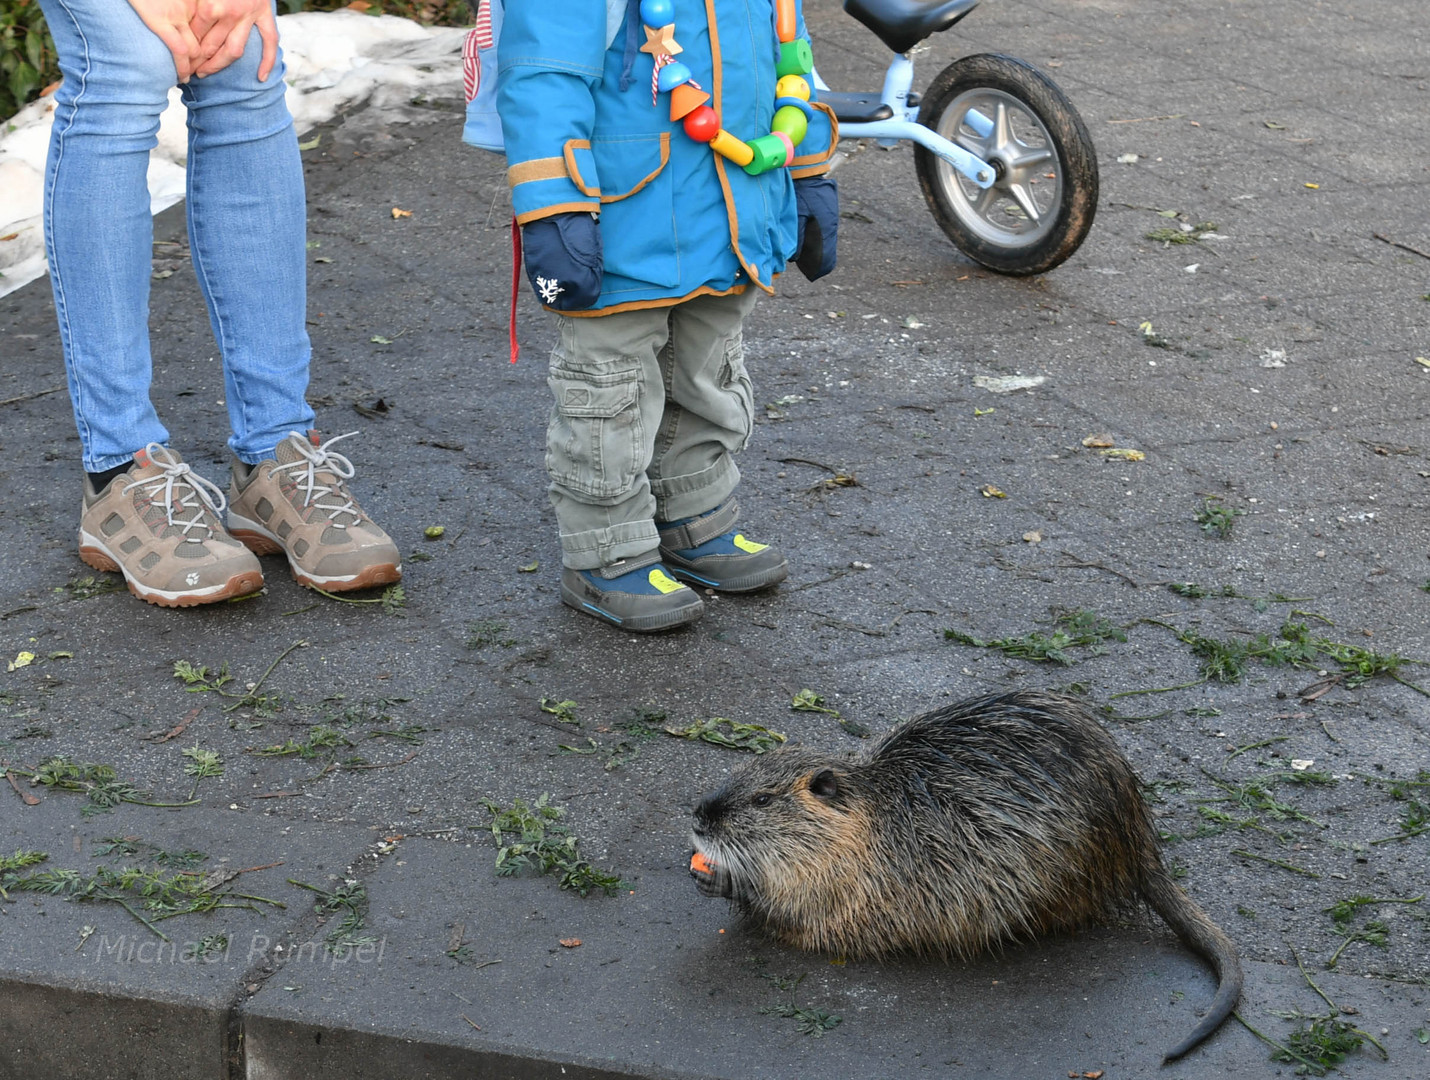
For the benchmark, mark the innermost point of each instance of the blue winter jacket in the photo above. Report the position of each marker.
(677, 220)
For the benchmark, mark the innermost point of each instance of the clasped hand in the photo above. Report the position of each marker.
(206, 36)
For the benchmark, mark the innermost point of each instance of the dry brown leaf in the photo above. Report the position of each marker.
(1033, 537)
(398, 212)
(570, 943)
(1097, 442)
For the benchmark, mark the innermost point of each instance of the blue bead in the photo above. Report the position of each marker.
(672, 75)
(657, 13)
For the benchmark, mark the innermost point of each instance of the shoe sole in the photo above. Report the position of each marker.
(261, 542)
(636, 624)
(94, 554)
(755, 583)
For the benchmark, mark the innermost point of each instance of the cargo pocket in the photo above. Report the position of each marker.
(595, 442)
(735, 381)
(638, 209)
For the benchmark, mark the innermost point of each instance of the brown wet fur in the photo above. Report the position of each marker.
(991, 820)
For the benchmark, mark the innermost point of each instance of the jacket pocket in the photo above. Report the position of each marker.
(637, 195)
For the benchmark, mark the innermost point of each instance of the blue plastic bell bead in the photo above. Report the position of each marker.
(672, 75)
(657, 13)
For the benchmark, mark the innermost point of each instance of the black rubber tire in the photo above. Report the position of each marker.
(1015, 250)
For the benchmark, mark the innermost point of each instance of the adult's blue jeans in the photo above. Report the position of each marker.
(247, 232)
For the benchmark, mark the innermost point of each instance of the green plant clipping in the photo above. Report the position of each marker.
(531, 837)
(810, 1022)
(320, 737)
(347, 900)
(99, 783)
(1215, 518)
(807, 700)
(731, 734)
(565, 711)
(1074, 630)
(89, 586)
(199, 679)
(148, 894)
(1292, 646)
(1320, 1044)
(201, 764)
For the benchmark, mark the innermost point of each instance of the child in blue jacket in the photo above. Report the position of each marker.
(659, 195)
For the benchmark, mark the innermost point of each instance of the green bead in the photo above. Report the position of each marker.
(792, 122)
(796, 58)
(769, 154)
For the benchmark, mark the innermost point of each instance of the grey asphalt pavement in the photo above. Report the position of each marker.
(1274, 373)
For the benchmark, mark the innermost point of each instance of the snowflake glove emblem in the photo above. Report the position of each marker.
(549, 289)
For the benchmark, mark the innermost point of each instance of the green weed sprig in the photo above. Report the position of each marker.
(731, 734)
(529, 836)
(1078, 629)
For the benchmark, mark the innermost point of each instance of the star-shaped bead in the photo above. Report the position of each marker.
(661, 42)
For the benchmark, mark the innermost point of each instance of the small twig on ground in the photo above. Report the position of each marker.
(265, 866)
(1256, 746)
(181, 726)
(46, 393)
(1243, 853)
(253, 693)
(1145, 119)
(1379, 236)
(386, 765)
(1083, 564)
(1156, 690)
(25, 796)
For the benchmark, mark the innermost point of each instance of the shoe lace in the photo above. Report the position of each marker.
(182, 486)
(336, 466)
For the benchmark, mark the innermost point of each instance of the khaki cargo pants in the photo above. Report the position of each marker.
(650, 407)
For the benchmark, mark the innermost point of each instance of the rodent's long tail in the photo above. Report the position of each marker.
(1205, 938)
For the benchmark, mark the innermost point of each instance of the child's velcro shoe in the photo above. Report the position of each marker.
(636, 594)
(708, 550)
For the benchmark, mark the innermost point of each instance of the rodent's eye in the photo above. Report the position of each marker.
(763, 798)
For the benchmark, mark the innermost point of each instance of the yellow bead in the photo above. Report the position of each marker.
(727, 146)
(792, 86)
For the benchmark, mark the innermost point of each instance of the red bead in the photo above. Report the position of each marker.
(702, 124)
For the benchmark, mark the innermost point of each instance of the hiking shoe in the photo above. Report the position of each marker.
(297, 503)
(707, 550)
(158, 524)
(635, 594)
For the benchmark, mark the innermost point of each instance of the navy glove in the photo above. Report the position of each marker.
(816, 199)
(563, 260)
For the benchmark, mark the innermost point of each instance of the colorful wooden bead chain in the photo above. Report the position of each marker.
(702, 123)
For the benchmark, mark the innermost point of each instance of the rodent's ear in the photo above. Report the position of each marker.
(824, 784)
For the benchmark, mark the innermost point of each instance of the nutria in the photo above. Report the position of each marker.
(991, 820)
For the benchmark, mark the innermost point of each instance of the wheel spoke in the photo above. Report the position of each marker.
(983, 201)
(1002, 128)
(1024, 198)
(1030, 158)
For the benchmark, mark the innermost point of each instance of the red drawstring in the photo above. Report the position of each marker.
(515, 283)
